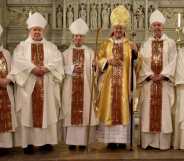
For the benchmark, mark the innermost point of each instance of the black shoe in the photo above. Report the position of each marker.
(122, 146)
(46, 148)
(4, 151)
(82, 147)
(148, 148)
(112, 146)
(29, 150)
(72, 147)
(151, 148)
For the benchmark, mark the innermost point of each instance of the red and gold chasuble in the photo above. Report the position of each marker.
(156, 87)
(77, 88)
(116, 103)
(5, 104)
(37, 55)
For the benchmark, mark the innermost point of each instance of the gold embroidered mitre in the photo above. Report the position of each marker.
(119, 16)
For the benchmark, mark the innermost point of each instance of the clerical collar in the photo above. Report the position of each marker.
(81, 47)
(118, 41)
(35, 42)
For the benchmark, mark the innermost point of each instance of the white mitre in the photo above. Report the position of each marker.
(36, 20)
(79, 27)
(157, 16)
(1, 30)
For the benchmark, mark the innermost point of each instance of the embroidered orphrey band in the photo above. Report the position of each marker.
(116, 103)
(38, 92)
(5, 104)
(77, 88)
(156, 87)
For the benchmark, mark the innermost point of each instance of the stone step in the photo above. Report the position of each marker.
(97, 152)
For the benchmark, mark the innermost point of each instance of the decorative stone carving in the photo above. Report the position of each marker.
(93, 17)
(59, 17)
(46, 15)
(18, 15)
(105, 16)
(61, 13)
(26, 2)
(139, 17)
(171, 16)
(115, 5)
(129, 6)
(151, 8)
(70, 15)
(83, 12)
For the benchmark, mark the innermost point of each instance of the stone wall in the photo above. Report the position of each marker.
(60, 14)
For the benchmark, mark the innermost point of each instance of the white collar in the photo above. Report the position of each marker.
(29, 39)
(118, 41)
(73, 46)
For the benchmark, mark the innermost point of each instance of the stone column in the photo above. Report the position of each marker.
(112, 4)
(76, 9)
(3, 17)
(146, 19)
(64, 14)
(1, 11)
(54, 16)
(132, 15)
(99, 18)
(88, 13)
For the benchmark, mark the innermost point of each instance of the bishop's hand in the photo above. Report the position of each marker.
(4, 82)
(37, 71)
(157, 77)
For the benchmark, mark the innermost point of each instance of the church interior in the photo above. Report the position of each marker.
(60, 14)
